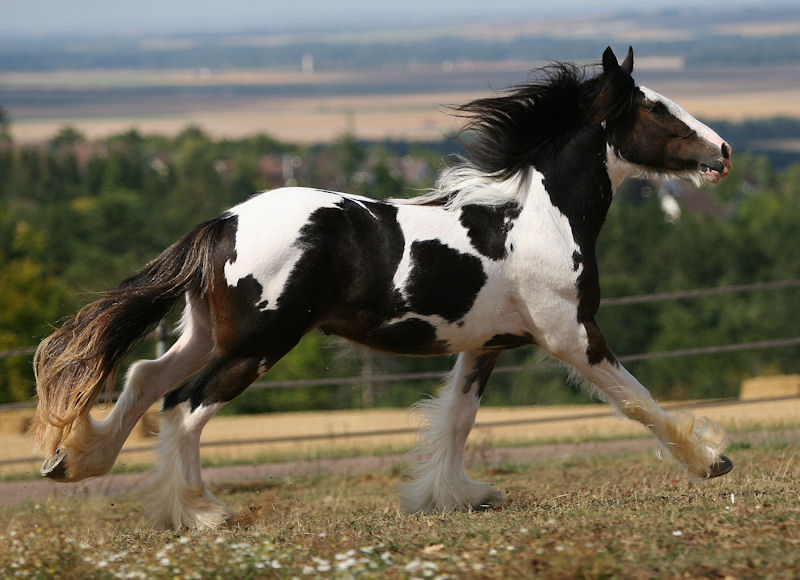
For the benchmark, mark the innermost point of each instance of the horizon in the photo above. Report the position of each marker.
(51, 19)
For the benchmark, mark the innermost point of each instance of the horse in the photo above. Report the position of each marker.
(499, 254)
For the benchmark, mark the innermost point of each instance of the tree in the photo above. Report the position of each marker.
(31, 296)
(66, 138)
(5, 128)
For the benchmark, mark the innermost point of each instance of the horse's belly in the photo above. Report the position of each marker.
(424, 335)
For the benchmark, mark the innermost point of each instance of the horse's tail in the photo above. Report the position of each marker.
(74, 363)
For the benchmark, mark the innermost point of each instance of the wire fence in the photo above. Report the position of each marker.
(619, 301)
(413, 430)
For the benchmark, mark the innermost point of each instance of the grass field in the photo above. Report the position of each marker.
(599, 516)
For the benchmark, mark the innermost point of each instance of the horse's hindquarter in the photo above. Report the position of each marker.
(269, 230)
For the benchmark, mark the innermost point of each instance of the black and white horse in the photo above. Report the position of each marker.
(499, 255)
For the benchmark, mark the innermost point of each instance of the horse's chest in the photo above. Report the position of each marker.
(545, 253)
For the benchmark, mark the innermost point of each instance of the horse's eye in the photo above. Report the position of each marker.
(657, 107)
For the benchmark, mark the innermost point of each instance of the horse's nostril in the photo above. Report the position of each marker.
(726, 151)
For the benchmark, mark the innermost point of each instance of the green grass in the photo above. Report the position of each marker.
(621, 515)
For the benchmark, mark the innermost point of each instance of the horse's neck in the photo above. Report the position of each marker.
(577, 188)
(618, 168)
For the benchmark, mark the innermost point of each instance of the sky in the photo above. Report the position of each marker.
(32, 18)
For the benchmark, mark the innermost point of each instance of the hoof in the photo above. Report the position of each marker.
(721, 467)
(55, 467)
(493, 499)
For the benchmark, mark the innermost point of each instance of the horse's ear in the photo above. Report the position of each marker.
(614, 93)
(627, 64)
(610, 62)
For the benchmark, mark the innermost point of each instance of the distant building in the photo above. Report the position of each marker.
(676, 198)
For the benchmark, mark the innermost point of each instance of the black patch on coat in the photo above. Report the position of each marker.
(506, 341)
(412, 336)
(598, 350)
(365, 244)
(488, 227)
(578, 185)
(576, 261)
(480, 373)
(443, 281)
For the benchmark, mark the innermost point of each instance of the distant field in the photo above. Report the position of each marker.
(400, 104)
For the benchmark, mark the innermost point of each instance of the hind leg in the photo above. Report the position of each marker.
(178, 497)
(440, 480)
(93, 447)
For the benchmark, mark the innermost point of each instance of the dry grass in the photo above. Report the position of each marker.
(415, 117)
(15, 444)
(592, 517)
(296, 119)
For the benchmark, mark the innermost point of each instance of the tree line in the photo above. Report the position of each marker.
(77, 216)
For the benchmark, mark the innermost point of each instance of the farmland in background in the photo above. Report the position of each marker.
(378, 83)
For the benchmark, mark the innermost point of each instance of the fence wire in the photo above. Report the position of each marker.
(412, 430)
(619, 301)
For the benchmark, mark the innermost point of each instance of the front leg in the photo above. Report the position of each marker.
(696, 443)
(440, 480)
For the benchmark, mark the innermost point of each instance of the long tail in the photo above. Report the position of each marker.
(74, 363)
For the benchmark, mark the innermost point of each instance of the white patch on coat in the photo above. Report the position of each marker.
(266, 235)
(542, 268)
(493, 310)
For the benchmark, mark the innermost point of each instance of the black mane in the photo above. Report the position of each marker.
(504, 134)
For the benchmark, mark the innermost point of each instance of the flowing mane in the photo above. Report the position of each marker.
(503, 135)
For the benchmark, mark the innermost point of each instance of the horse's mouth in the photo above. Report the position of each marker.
(715, 170)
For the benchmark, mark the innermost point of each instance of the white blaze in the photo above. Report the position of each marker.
(702, 130)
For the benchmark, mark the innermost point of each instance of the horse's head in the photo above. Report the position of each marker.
(650, 135)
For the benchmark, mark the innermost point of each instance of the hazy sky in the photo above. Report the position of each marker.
(108, 17)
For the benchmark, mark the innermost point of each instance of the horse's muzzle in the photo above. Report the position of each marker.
(716, 169)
